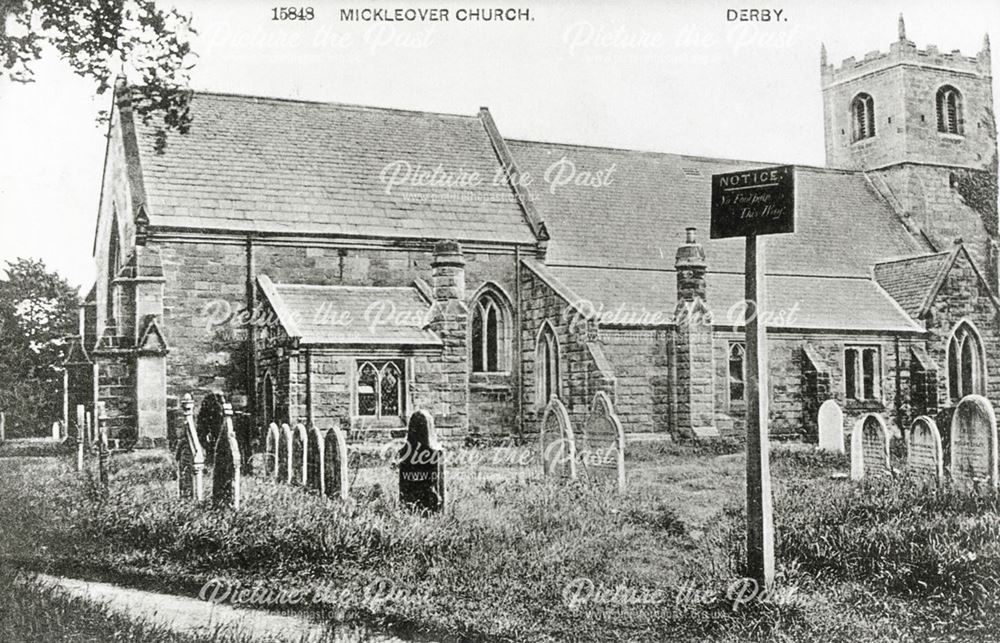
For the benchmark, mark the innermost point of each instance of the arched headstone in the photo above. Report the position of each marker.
(285, 455)
(923, 454)
(271, 443)
(831, 427)
(300, 443)
(335, 464)
(226, 471)
(190, 456)
(601, 452)
(421, 466)
(210, 419)
(314, 459)
(57, 431)
(869, 448)
(974, 441)
(557, 442)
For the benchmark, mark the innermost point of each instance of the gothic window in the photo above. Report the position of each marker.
(863, 116)
(114, 264)
(546, 365)
(966, 364)
(737, 372)
(490, 333)
(949, 111)
(862, 373)
(380, 389)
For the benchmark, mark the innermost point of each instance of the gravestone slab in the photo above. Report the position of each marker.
(335, 483)
(601, 452)
(923, 454)
(421, 466)
(103, 451)
(557, 442)
(300, 443)
(974, 441)
(285, 454)
(314, 459)
(831, 427)
(869, 448)
(271, 443)
(190, 456)
(57, 431)
(81, 428)
(226, 471)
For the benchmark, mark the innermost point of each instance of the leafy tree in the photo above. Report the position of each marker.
(38, 310)
(101, 39)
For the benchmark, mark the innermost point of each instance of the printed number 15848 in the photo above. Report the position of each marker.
(292, 13)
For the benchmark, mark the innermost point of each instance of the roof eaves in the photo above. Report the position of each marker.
(285, 316)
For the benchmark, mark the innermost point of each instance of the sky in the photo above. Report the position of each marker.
(661, 76)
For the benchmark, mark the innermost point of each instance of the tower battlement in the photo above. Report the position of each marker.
(905, 52)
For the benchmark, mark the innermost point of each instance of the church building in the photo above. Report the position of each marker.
(332, 264)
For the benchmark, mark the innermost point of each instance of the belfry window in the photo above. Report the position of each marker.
(966, 364)
(490, 332)
(546, 365)
(949, 111)
(863, 117)
(380, 389)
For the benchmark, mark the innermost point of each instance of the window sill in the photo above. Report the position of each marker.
(865, 141)
(864, 405)
(948, 136)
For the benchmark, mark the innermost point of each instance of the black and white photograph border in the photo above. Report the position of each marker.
(435, 321)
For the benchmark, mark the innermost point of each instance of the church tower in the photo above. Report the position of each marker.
(920, 123)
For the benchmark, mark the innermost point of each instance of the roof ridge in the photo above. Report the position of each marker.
(343, 287)
(927, 255)
(309, 101)
(690, 157)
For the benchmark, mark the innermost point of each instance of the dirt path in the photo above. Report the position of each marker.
(192, 616)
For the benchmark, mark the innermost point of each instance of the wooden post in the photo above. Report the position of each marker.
(760, 520)
(80, 437)
(3, 426)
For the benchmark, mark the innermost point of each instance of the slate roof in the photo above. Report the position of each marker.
(296, 167)
(351, 315)
(910, 281)
(624, 297)
(638, 219)
(616, 243)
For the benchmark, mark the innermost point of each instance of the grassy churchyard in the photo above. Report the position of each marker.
(515, 556)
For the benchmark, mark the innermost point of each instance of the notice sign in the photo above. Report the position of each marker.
(760, 201)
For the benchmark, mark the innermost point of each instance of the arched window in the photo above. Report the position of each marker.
(114, 264)
(863, 116)
(966, 363)
(380, 389)
(490, 343)
(949, 111)
(546, 365)
(269, 409)
(737, 372)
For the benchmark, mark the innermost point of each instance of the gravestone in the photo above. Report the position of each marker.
(79, 437)
(869, 448)
(923, 454)
(226, 470)
(271, 451)
(89, 424)
(831, 427)
(57, 431)
(557, 442)
(3, 426)
(103, 453)
(285, 454)
(421, 466)
(601, 452)
(190, 456)
(335, 464)
(314, 459)
(974, 441)
(300, 443)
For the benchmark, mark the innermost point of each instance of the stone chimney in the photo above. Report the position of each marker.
(695, 373)
(441, 385)
(448, 272)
